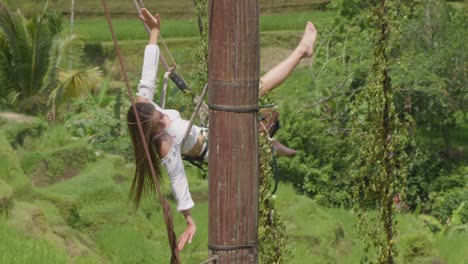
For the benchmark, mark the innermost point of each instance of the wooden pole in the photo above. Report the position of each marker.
(233, 148)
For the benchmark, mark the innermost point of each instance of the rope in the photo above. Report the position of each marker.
(161, 56)
(166, 208)
(231, 248)
(195, 112)
(162, 100)
(214, 258)
(235, 109)
(170, 56)
(164, 44)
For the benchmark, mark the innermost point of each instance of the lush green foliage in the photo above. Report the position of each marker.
(316, 117)
(99, 118)
(317, 114)
(434, 94)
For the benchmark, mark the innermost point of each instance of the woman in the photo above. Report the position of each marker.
(164, 129)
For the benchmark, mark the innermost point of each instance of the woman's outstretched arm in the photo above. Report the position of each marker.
(153, 22)
(280, 72)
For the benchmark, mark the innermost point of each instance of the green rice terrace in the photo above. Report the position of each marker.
(67, 163)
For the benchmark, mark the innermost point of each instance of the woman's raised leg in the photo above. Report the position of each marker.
(280, 72)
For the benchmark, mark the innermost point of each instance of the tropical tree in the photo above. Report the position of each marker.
(31, 51)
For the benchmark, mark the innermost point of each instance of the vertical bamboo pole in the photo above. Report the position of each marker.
(233, 159)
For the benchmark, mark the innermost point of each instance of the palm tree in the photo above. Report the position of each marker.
(24, 48)
(30, 56)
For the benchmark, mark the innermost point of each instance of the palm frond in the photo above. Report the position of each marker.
(54, 23)
(60, 45)
(6, 73)
(431, 222)
(74, 84)
(22, 54)
(102, 99)
(28, 42)
(13, 46)
(8, 101)
(38, 61)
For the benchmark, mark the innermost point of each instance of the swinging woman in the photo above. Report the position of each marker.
(164, 129)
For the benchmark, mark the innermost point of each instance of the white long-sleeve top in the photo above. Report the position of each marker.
(173, 160)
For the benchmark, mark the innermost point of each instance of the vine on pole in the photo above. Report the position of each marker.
(274, 241)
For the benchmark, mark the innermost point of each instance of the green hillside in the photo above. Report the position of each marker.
(64, 202)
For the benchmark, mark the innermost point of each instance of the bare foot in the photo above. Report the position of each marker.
(306, 46)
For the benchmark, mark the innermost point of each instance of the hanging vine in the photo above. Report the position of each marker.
(273, 239)
(379, 171)
(201, 53)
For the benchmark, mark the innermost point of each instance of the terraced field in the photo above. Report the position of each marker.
(171, 8)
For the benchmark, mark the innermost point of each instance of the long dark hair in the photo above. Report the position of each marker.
(142, 180)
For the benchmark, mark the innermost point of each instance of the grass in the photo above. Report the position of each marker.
(319, 235)
(97, 29)
(102, 205)
(172, 8)
(295, 20)
(11, 171)
(133, 249)
(329, 235)
(453, 248)
(18, 248)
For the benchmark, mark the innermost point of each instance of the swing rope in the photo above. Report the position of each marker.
(165, 205)
(195, 112)
(163, 59)
(162, 100)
